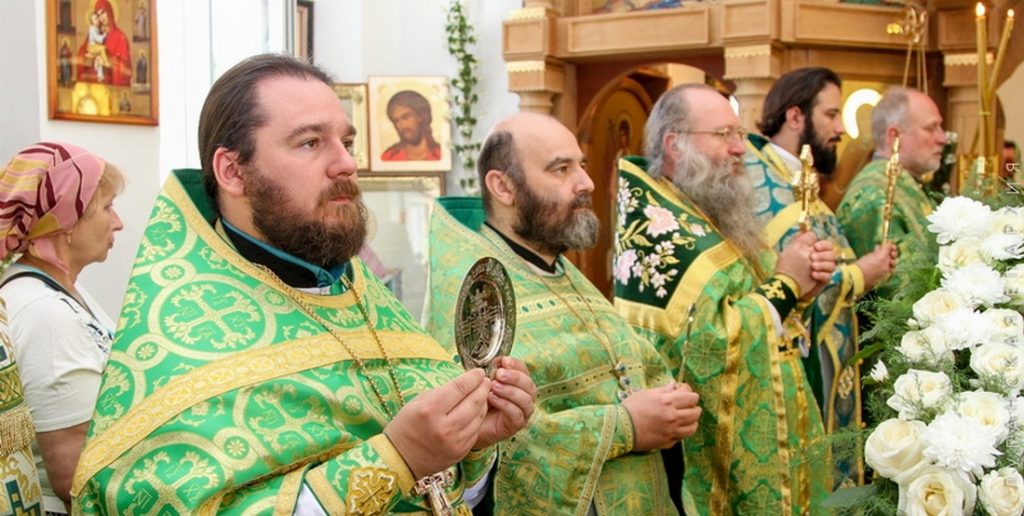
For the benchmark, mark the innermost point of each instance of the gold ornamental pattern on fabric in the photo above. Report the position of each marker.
(485, 315)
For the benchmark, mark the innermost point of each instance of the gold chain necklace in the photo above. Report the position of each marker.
(618, 367)
(360, 363)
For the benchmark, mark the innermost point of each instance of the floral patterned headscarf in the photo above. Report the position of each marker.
(44, 190)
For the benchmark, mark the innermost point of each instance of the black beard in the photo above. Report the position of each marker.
(824, 158)
(308, 238)
(541, 222)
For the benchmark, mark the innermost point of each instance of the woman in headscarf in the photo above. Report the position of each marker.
(56, 218)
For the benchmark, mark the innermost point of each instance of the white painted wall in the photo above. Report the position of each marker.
(199, 39)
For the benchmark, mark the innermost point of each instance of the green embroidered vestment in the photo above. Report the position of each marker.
(707, 310)
(223, 396)
(860, 212)
(576, 449)
(833, 322)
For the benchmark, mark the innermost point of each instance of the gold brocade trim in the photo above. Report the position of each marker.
(582, 382)
(627, 426)
(600, 457)
(394, 461)
(781, 426)
(209, 236)
(288, 493)
(780, 225)
(668, 320)
(234, 372)
(17, 430)
(325, 493)
(11, 393)
(721, 482)
(803, 482)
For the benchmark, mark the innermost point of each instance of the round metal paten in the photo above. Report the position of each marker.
(485, 315)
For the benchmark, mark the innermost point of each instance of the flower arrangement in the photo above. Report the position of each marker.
(950, 437)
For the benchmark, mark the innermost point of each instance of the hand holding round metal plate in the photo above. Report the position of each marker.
(485, 315)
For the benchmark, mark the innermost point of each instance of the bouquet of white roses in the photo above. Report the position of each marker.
(953, 436)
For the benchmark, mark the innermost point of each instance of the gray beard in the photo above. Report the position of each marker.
(727, 199)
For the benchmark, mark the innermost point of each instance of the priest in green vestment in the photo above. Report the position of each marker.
(606, 402)
(692, 275)
(258, 367)
(914, 118)
(19, 480)
(803, 108)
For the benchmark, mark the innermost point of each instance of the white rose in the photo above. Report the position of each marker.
(894, 449)
(1000, 361)
(959, 218)
(927, 346)
(1013, 284)
(989, 410)
(958, 254)
(879, 372)
(1001, 492)
(936, 303)
(977, 283)
(1005, 326)
(916, 390)
(937, 490)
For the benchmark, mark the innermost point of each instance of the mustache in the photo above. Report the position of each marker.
(344, 188)
(583, 200)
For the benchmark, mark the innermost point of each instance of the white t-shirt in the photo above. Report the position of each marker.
(61, 351)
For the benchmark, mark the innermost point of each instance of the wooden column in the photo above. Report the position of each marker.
(754, 68)
(961, 83)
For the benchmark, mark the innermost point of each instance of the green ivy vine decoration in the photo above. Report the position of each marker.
(460, 37)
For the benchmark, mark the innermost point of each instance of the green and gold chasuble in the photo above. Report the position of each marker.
(223, 395)
(19, 481)
(576, 450)
(833, 321)
(860, 212)
(760, 445)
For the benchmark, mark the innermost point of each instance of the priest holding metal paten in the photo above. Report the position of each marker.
(259, 366)
(606, 402)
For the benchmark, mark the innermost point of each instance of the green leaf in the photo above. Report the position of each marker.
(849, 497)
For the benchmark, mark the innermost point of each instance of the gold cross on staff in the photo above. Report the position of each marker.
(805, 187)
(892, 172)
(433, 486)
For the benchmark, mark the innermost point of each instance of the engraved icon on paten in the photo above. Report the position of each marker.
(485, 315)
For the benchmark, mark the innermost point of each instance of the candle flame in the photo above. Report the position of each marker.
(979, 10)
(1009, 14)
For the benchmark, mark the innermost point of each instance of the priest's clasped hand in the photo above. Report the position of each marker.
(809, 261)
(662, 415)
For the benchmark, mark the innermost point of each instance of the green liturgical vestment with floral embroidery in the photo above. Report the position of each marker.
(861, 211)
(576, 450)
(832, 320)
(223, 395)
(759, 447)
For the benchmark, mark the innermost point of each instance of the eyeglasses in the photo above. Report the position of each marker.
(725, 133)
